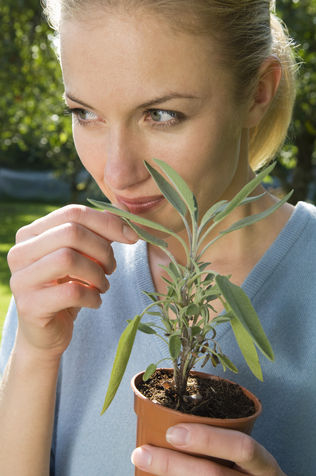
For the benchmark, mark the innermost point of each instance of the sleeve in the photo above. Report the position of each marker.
(8, 335)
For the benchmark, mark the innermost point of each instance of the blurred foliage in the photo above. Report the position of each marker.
(35, 134)
(297, 160)
(34, 131)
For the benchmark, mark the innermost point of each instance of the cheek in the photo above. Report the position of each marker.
(88, 150)
(206, 152)
(212, 155)
(92, 156)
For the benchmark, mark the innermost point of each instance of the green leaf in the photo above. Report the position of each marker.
(195, 330)
(152, 296)
(144, 235)
(192, 309)
(221, 319)
(248, 200)
(202, 266)
(132, 219)
(244, 192)
(123, 353)
(211, 292)
(211, 297)
(242, 309)
(174, 346)
(257, 217)
(168, 191)
(211, 212)
(153, 313)
(151, 369)
(146, 328)
(168, 282)
(173, 308)
(247, 348)
(130, 216)
(227, 363)
(207, 328)
(172, 271)
(180, 185)
(209, 278)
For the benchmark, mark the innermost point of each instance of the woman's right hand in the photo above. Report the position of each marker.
(59, 265)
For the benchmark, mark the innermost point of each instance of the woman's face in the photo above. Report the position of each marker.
(141, 91)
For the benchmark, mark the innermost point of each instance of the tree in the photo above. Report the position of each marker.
(34, 131)
(298, 159)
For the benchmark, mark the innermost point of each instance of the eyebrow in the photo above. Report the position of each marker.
(146, 104)
(73, 98)
(166, 98)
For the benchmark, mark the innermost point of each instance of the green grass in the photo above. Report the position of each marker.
(14, 215)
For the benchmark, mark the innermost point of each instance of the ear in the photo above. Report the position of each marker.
(269, 77)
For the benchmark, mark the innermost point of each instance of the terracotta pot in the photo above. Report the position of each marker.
(154, 419)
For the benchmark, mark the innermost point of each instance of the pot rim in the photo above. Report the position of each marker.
(253, 397)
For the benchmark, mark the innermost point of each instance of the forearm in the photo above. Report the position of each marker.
(27, 402)
(58, 266)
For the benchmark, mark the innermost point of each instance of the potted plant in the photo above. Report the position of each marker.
(183, 317)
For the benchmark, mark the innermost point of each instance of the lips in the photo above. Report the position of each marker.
(141, 204)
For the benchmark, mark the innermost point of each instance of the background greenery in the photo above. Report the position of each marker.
(36, 135)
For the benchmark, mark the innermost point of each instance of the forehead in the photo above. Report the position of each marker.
(136, 55)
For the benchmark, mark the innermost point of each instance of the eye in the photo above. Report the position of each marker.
(163, 118)
(159, 115)
(83, 116)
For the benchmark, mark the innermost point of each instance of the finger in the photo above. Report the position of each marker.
(67, 235)
(44, 304)
(60, 264)
(164, 462)
(103, 223)
(226, 444)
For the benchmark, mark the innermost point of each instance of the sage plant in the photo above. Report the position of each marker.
(183, 316)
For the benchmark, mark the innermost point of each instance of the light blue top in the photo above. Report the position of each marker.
(282, 287)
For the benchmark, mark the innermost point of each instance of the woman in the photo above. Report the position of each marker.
(206, 86)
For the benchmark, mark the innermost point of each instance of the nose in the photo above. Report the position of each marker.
(125, 155)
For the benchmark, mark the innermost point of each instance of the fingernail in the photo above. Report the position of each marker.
(141, 458)
(177, 435)
(129, 233)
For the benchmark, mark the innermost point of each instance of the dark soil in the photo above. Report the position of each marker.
(205, 397)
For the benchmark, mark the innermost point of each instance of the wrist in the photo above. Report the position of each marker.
(29, 355)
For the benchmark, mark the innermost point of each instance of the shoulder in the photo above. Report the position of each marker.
(289, 265)
(294, 252)
(299, 235)
(307, 210)
(303, 225)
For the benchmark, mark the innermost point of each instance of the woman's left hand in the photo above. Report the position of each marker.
(248, 455)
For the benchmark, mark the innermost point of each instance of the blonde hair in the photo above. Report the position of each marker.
(248, 32)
